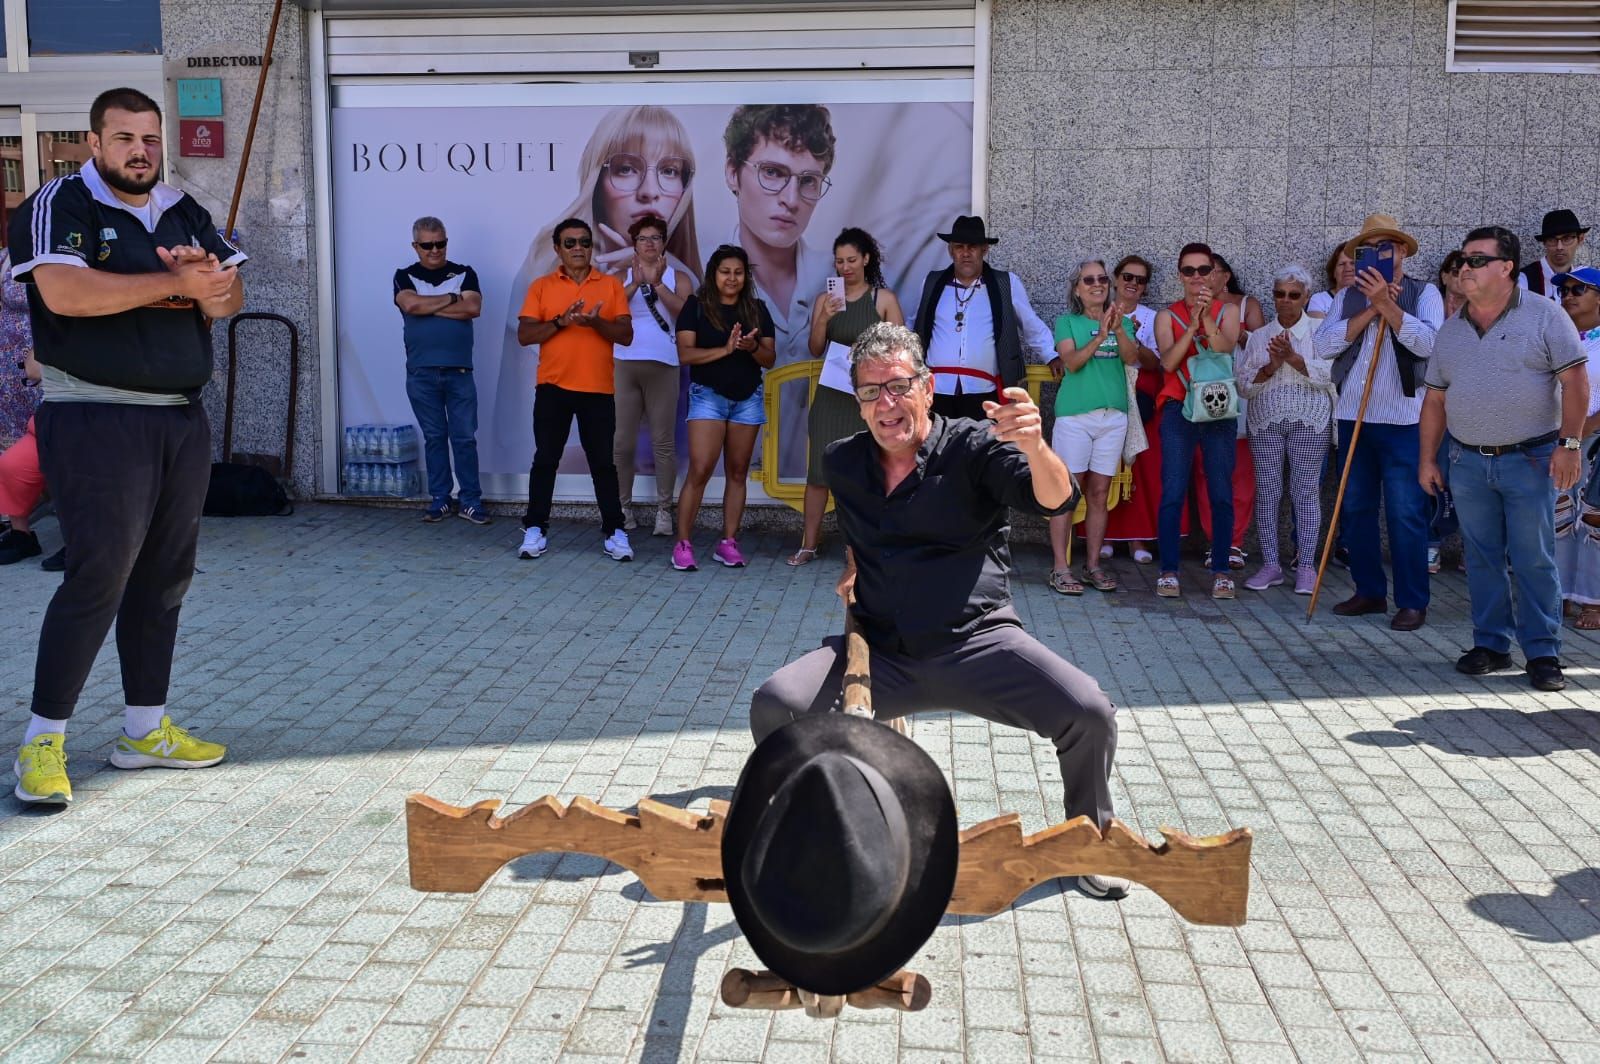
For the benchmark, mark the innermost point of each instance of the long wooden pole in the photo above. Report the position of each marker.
(1344, 478)
(255, 113)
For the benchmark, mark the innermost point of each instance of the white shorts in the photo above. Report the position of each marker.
(1091, 442)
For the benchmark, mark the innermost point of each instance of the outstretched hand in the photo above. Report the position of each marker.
(1017, 421)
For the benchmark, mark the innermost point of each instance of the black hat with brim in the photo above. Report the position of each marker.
(839, 851)
(969, 229)
(1560, 223)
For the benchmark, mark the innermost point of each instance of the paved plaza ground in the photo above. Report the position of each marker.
(1426, 869)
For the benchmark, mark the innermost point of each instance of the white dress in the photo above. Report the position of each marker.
(1577, 542)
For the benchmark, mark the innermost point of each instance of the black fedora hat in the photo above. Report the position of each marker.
(1560, 223)
(839, 851)
(968, 229)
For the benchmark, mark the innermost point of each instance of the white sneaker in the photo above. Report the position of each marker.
(617, 546)
(533, 543)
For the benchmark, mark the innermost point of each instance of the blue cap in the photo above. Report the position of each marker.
(1583, 275)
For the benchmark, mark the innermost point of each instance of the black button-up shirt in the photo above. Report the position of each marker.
(933, 557)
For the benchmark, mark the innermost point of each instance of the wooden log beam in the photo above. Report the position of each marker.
(677, 854)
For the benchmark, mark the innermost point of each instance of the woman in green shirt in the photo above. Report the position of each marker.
(1096, 344)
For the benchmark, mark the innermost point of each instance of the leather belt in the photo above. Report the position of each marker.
(1495, 452)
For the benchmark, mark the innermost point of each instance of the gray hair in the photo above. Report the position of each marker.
(886, 343)
(426, 224)
(1074, 302)
(1294, 273)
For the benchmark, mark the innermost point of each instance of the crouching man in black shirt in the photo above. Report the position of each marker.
(923, 502)
(123, 272)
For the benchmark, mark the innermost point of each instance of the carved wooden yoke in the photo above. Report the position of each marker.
(677, 854)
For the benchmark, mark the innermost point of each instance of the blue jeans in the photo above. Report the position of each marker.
(1179, 438)
(1386, 465)
(1507, 511)
(445, 401)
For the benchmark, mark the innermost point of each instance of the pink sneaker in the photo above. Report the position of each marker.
(1305, 580)
(727, 553)
(1267, 576)
(683, 557)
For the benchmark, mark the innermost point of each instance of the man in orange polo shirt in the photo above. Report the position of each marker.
(576, 315)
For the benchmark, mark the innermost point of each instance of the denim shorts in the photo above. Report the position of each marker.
(707, 404)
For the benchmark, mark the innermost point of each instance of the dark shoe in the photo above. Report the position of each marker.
(436, 513)
(1545, 674)
(56, 563)
(15, 546)
(475, 514)
(1409, 620)
(1358, 606)
(1480, 661)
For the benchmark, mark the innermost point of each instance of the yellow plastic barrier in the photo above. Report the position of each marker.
(810, 370)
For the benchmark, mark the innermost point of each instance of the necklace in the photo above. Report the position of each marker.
(961, 304)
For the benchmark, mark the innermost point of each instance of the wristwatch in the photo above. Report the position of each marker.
(455, 297)
(1571, 443)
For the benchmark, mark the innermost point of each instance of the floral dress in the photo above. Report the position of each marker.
(18, 399)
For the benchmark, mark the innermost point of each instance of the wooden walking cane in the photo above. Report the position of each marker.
(1349, 458)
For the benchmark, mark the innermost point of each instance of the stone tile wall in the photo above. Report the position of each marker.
(1268, 128)
(275, 214)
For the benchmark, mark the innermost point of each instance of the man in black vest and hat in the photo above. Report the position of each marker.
(974, 323)
(924, 503)
(1560, 236)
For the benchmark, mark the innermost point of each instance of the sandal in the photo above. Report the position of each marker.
(804, 556)
(1167, 585)
(1063, 581)
(1222, 586)
(1237, 558)
(1588, 619)
(1102, 580)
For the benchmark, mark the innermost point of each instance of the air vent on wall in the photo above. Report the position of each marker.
(1553, 36)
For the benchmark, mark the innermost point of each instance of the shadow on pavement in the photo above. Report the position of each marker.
(1479, 732)
(1569, 913)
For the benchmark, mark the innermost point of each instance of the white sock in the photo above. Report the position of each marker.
(139, 721)
(38, 726)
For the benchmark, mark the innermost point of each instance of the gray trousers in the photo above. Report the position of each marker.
(1001, 674)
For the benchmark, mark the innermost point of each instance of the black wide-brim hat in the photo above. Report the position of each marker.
(813, 889)
(1560, 223)
(969, 229)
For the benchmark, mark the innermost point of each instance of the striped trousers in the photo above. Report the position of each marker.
(1307, 450)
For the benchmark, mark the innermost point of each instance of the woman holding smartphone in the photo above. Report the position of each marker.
(725, 338)
(853, 300)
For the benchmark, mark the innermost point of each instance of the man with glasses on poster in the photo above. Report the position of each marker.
(778, 159)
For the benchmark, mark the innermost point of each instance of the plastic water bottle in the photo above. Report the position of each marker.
(385, 441)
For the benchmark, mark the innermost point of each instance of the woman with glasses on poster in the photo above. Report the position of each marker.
(1196, 324)
(1098, 350)
(855, 300)
(1134, 518)
(1578, 508)
(725, 338)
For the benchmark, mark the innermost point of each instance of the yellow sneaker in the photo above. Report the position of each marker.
(41, 769)
(169, 746)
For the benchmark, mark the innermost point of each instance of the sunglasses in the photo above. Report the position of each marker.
(1095, 282)
(1133, 278)
(1478, 262)
(868, 393)
(1196, 271)
(431, 245)
(577, 242)
(1278, 293)
(1576, 289)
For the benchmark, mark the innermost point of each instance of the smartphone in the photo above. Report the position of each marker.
(836, 287)
(1380, 258)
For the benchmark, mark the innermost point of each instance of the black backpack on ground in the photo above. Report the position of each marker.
(239, 490)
